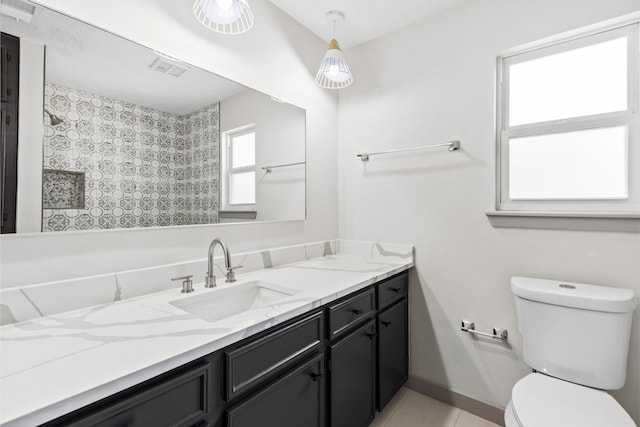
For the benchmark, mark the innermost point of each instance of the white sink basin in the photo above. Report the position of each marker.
(225, 302)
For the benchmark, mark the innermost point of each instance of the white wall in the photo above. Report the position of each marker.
(286, 70)
(280, 135)
(428, 83)
(29, 199)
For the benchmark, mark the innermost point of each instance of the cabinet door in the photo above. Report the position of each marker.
(295, 400)
(352, 378)
(393, 359)
(180, 401)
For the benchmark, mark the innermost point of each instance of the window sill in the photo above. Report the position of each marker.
(583, 221)
(246, 215)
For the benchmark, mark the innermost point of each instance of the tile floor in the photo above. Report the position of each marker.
(412, 409)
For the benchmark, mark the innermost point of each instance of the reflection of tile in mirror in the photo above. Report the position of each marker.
(144, 167)
(62, 189)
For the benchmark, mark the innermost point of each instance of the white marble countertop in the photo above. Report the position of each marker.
(53, 365)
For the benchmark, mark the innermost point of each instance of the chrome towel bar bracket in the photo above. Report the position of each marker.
(498, 334)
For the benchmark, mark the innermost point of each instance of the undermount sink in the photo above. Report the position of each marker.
(234, 299)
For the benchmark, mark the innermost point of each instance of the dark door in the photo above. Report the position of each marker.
(296, 400)
(9, 131)
(352, 378)
(393, 359)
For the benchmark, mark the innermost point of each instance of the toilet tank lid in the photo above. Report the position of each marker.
(577, 295)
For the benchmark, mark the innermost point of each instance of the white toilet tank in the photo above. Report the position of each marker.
(573, 331)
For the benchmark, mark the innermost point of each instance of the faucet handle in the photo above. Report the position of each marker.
(231, 274)
(187, 284)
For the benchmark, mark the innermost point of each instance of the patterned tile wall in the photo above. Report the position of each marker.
(143, 167)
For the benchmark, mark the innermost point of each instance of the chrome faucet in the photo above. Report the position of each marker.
(210, 279)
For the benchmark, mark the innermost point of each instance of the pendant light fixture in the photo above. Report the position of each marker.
(224, 16)
(334, 72)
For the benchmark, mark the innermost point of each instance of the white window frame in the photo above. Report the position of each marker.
(629, 118)
(227, 171)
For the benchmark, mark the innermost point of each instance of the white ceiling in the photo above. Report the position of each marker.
(86, 58)
(364, 19)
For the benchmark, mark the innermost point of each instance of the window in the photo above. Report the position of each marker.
(240, 168)
(568, 126)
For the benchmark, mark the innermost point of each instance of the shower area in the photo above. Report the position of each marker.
(112, 164)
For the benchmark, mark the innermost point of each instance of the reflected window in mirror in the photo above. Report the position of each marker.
(239, 171)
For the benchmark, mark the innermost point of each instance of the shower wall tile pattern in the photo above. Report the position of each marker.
(143, 167)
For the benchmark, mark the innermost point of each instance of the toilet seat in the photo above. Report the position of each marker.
(542, 401)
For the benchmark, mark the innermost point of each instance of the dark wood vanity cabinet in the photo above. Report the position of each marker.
(352, 363)
(393, 357)
(330, 367)
(393, 337)
(353, 377)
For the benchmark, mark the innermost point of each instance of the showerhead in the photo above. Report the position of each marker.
(55, 120)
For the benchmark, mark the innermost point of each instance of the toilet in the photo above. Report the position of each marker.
(576, 339)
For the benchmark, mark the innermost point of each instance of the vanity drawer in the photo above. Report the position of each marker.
(180, 400)
(349, 312)
(296, 399)
(264, 358)
(392, 290)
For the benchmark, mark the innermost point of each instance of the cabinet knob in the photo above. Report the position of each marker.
(385, 322)
(316, 377)
(394, 290)
(356, 311)
(371, 336)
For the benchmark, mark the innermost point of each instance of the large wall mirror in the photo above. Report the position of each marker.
(112, 134)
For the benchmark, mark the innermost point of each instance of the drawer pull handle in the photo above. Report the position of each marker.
(356, 311)
(386, 323)
(371, 336)
(316, 377)
(394, 290)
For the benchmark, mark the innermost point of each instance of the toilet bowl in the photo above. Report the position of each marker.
(576, 338)
(539, 400)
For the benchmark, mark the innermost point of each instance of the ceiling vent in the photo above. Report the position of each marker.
(20, 10)
(167, 67)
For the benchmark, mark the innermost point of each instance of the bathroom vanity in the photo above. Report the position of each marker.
(331, 350)
(339, 362)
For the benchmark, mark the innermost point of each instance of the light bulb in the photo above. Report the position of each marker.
(222, 11)
(224, 4)
(336, 70)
